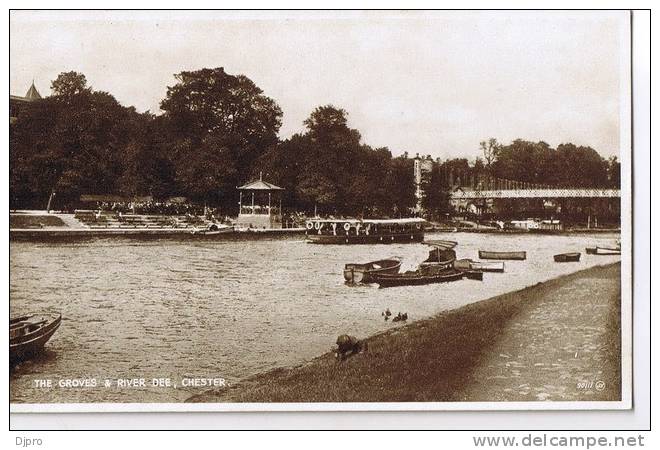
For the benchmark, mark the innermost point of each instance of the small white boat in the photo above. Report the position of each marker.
(607, 251)
(482, 266)
(213, 230)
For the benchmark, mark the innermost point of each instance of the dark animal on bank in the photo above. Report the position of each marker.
(348, 346)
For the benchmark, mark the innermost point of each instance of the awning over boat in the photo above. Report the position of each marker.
(443, 245)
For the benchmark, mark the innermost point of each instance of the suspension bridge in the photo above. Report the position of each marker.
(497, 188)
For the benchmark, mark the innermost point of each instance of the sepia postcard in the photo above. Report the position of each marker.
(319, 210)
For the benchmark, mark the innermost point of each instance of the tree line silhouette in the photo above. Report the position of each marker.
(218, 131)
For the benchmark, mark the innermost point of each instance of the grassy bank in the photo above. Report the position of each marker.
(436, 359)
(33, 221)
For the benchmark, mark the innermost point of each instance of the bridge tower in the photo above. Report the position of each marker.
(422, 167)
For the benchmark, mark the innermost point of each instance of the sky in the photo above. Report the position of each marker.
(432, 83)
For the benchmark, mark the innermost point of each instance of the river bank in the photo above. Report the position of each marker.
(558, 340)
(39, 225)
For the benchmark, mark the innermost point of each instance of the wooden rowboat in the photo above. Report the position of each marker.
(591, 250)
(439, 259)
(416, 278)
(213, 229)
(487, 266)
(607, 251)
(28, 334)
(502, 255)
(567, 257)
(474, 275)
(362, 273)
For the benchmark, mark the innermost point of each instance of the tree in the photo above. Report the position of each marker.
(80, 141)
(209, 105)
(399, 185)
(325, 120)
(316, 189)
(526, 161)
(144, 168)
(328, 167)
(614, 172)
(457, 171)
(68, 85)
(536, 162)
(436, 194)
(580, 167)
(206, 170)
(490, 149)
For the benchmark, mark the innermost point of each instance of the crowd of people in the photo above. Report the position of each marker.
(164, 208)
(158, 208)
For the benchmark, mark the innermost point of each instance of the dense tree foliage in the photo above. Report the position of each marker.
(330, 170)
(218, 131)
(215, 125)
(75, 141)
(435, 200)
(535, 162)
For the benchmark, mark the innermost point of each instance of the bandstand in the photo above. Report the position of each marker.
(259, 205)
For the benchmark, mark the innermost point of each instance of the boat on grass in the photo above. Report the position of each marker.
(483, 254)
(567, 257)
(28, 334)
(481, 266)
(367, 231)
(362, 273)
(417, 278)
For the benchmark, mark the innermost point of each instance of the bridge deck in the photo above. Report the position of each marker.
(469, 194)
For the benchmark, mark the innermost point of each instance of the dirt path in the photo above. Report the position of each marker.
(563, 347)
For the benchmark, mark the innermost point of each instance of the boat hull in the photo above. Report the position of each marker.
(416, 279)
(28, 345)
(607, 251)
(520, 256)
(363, 273)
(223, 230)
(468, 264)
(474, 275)
(567, 257)
(366, 239)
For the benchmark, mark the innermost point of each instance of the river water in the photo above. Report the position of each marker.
(168, 308)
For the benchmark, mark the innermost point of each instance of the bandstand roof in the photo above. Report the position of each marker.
(260, 185)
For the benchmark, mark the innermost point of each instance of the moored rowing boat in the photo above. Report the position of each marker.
(416, 278)
(474, 275)
(567, 257)
(607, 251)
(212, 230)
(518, 255)
(28, 334)
(482, 266)
(362, 273)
